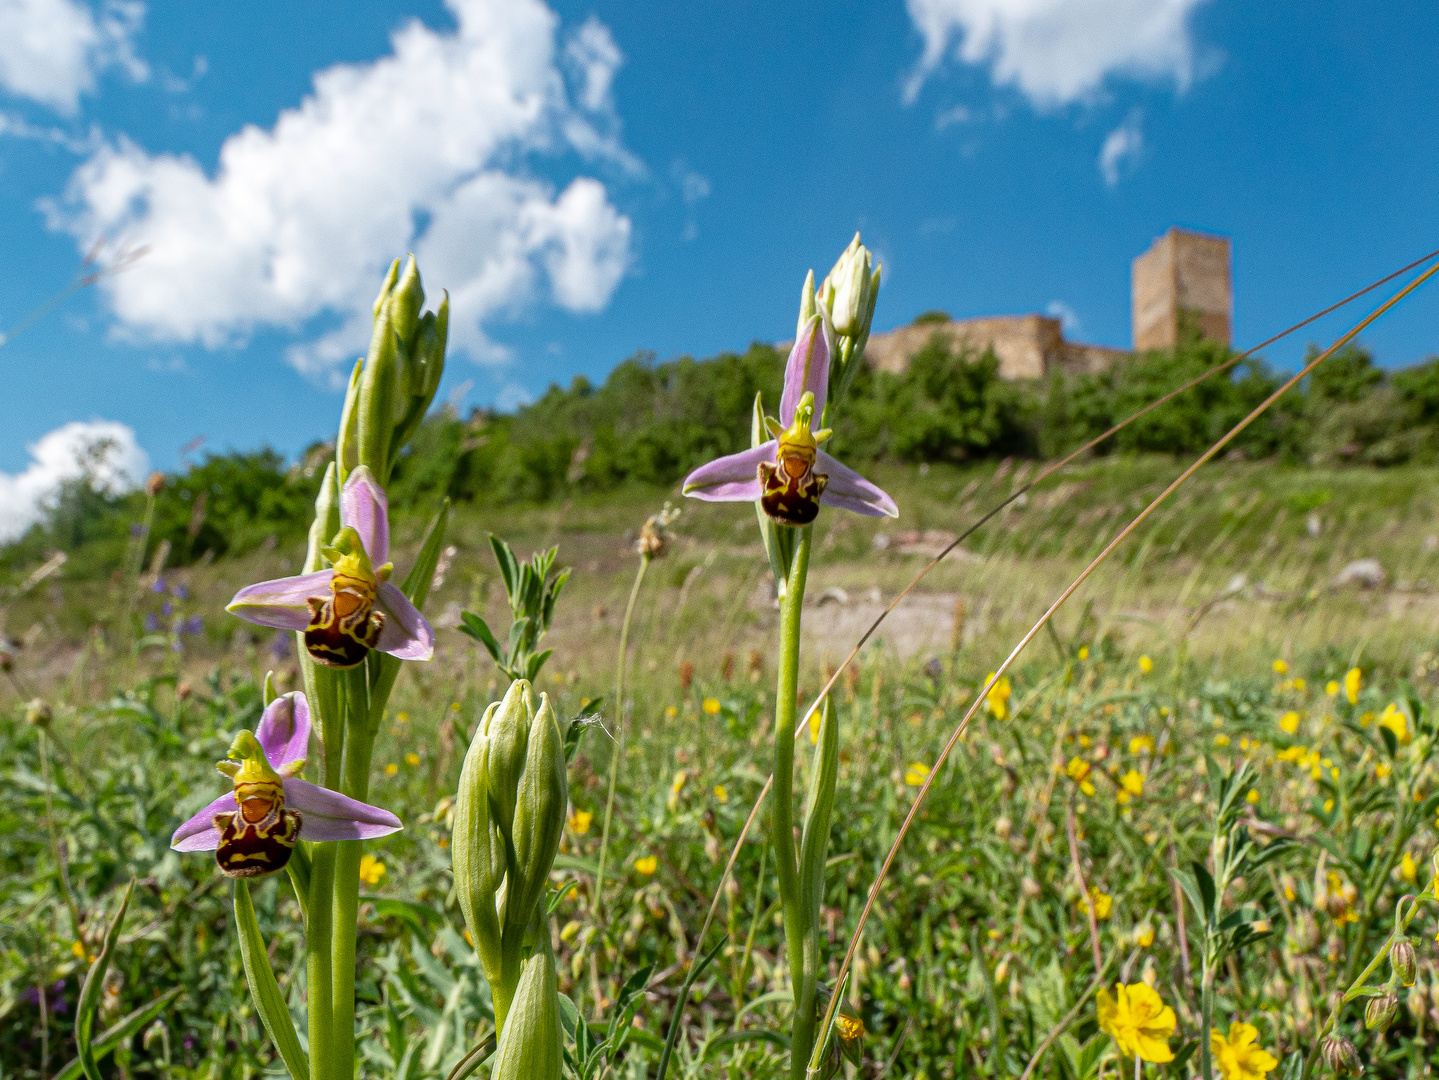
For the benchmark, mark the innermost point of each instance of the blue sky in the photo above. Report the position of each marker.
(591, 179)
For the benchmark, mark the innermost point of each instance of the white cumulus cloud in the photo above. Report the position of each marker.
(52, 50)
(103, 450)
(1121, 146)
(1056, 52)
(427, 149)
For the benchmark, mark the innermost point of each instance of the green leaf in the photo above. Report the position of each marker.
(472, 1060)
(264, 990)
(1206, 888)
(1191, 891)
(123, 1031)
(89, 1002)
(419, 917)
(509, 567)
(476, 627)
(1391, 744)
(421, 577)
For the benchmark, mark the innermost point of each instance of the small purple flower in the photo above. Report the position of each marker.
(136, 529)
(167, 609)
(353, 607)
(54, 998)
(159, 585)
(280, 648)
(790, 476)
(193, 625)
(180, 591)
(253, 828)
(152, 623)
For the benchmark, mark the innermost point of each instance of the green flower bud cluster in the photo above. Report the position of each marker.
(391, 388)
(509, 814)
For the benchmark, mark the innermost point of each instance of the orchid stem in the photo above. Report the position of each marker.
(619, 732)
(782, 812)
(359, 739)
(321, 686)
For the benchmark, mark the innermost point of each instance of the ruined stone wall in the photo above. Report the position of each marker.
(1027, 346)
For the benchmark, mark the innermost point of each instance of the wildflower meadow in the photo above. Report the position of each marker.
(1102, 765)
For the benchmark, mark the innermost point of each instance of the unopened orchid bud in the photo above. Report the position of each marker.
(38, 713)
(378, 388)
(507, 738)
(347, 442)
(1341, 1057)
(1402, 959)
(539, 812)
(806, 304)
(405, 302)
(1380, 1011)
(478, 861)
(529, 1046)
(386, 286)
(847, 289)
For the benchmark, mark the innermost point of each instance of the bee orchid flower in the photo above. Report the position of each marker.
(790, 476)
(252, 829)
(353, 607)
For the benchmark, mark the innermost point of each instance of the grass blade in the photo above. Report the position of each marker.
(90, 992)
(265, 991)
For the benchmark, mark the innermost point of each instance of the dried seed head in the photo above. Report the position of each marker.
(38, 713)
(155, 484)
(1380, 1011)
(1402, 959)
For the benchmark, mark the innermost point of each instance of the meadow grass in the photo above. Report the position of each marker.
(981, 944)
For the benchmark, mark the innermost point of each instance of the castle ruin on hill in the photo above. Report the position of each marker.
(1183, 277)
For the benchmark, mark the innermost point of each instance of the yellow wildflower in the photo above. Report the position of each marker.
(997, 700)
(1381, 770)
(1328, 805)
(721, 795)
(371, 870)
(1146, 665)
(402, 718)
(916, 774)
(1084, 652)
(1331, 688)
(1239, 1057)
(1291, 753)
(391, 769)
(455, 706)
(1221, 740)
(412, 759)
(1103, 903)
(1289, 723)
(671, 712)
(78, 948)
(1132, 783)
(1144, 935)
(1300, 684)
(1396, 722)
(647, 864)
(1280, 667)
(1408, 870)
(814, 719)
(677, 785)
(1252, 796)
(581, 820)
(1078, 770)
(1138, 1021)
(711, 706)
(1141, 744)
(1353, 680)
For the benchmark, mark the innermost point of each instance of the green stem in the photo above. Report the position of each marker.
(782, 812)
(317, 961)
(619, 732)
(359, 739)
(1206, 1012)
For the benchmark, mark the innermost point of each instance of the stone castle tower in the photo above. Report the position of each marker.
(1183, 275)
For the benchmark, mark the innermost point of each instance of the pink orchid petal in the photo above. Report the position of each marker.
(284, 731)
(199, 833)
(281, 603)
(806, 369)
(733, 478)
(406, 634)
(366, 509)
(850, 491)
(328, 815)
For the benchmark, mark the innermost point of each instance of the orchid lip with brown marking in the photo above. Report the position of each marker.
(353, 607)
(253, 828)
(790, 476)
